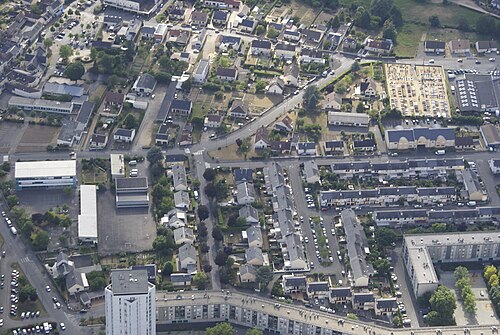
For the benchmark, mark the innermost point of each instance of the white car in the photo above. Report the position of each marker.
(63, 327)
(47, 288)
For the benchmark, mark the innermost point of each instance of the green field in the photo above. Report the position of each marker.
(408, 39)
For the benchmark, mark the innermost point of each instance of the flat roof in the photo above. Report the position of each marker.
(87, 220)
(21, 101)
(117, 165)
(128, 282)
(44, 169)
(131, 183)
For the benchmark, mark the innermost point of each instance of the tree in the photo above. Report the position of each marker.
(65, 51)
(41, 241)
(96, 281)
(12, 201)
(381, 8)
(355, 67)
(154, 155)
(443, 303)
(264, 275)
(200, 280)
(130, 122)
(217, 234)
(48, 43)
(220, 329)
(221, 258)
(489, 271)
(253, 331)
(164, 244)
(463, 24)
(486, 25)
(112, 81)
(362, 18)
(74, 71)
(386, 237)
(389, 31)
(209, 174)
(382, 266)
(397, 17)
(260, 29)
(311, 98)
(272, 33)
(187, 85)
(203, 212)
(434, 21)
(210, 190)
(461, 272)
(207, 268)
(27, 292)
(168, 268)
(360, 108)
(260, 86)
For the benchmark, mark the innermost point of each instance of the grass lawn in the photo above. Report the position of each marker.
(306, 13)
(94, 176)
(449, 34)
(408, 39)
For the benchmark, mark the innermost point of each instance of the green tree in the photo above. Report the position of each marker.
(187, 85)
(220, 329)
(217, 234)
(168, 268)
(382, 266)
(164, 244)
(355, 67)
(203, 212)
(12, 201)
(65, 51)
(362, 18)
(397, 17)
(260, 86)
(493, 281)
(74, 71)
(360, 108)
(312, 97)
(210, 190)
(489, 271)
(154, 155)
(381, 8)
(96, 281)
(389, 31)
(221, 258)
(209, 174)
(463, 24)
(260, 30)
(41, 241)
(200, 280)
(27, 292)
(48, 42)
(443, 303)
(386, 237)
(461, 272)
(486, 25)
(272, 33)
(434, 21)
(253, 331)
(130, 122)
(264, 275)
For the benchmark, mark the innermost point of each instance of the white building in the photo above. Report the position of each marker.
(201, 72)
(135, 6)
(45, 174)
(117, 166)
(40, 105)
(87, 220)
(130, 303)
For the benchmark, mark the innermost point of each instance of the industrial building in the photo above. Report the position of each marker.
(130, 303)
(131, 192)
(420, 252)
(40, 105)
(45, 174)
(87, 220)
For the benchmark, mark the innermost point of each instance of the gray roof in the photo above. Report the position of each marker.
(181, 104)
(245, 189)
(340, 292)
(248, 212)
(320, 286)
(128, 282)
(356, 245)
(261, 44)
(471, 181)
(131, 184)
(254, 253)
(187, 251)
(254, 234)
(285, 47)
(179, 175)
(202, 65)
(63, 89)
(242, 175)
(146, 81)
(295, 247)
(183, 232)
(247, 268)
(220, 15)
(226, 72)
(230, 39)
(74, 278)
(181, 198)
(363, 297)
(124, 132)
(414, 134)
(387, 303)
(180, 277)
(85, 112)
(311, 169)
(295, 281)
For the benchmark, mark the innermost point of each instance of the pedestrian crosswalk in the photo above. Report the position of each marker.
(25, 260)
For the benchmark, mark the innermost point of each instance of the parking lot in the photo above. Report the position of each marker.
(9, 133)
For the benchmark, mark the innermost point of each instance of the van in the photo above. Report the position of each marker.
(13, 230)
(440, 152)
(132, 163)
(471, 203)
(133, 173)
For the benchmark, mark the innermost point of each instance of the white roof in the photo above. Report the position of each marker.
(117, 165)
(41, 169)
(87, 220)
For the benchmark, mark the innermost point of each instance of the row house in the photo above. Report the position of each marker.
(222, 4)
(285, 51)
(312, 56)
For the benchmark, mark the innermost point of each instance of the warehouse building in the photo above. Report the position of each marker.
(87, 220)
(40, 105)
(420, 252)
(132, 192)
(45, 174)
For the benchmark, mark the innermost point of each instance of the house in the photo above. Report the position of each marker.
(293, 284)
(213, 121)
(311, 37)
(199, 19)
(494, 165)
(229, 42)
(486, 46)
(76, 282)
(276, 26)
(202, 70)
(459, 47)
(349, 44)
(174, 219)
(472, 186)
(291, 35)
(386, 306)
(367, 89)
(178, 37)
(404, 139)
(187, 258)
(281, 147)
(261, 138)
(219, 17)
(437, 47)
(144, 84)
(340, 295)
(238, 110)
(333, 147)
(276, 86)
(366, 145)
(198, 40)
(261, 48)
(306, 148)
(181, 200)
(247, 26)
(227, 74)
(312, 56)
(247, 273)
(180, 279)
(254, 256)
(363, 301)
(284, 125)
(464, 142)
(179, 177)
(384, 46)
(245, 193)
(181, 108)
(114, 99)
(285, 50)
(254, 236)
(124, 135)
(243, 175)
(183, 235)
(320, 290)
(160, 33)
(291, 74)
(176, 13)
(311, 172)
(490, 135)
(147, 32)
(225, 4)
(98, 141)
(250, 214)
